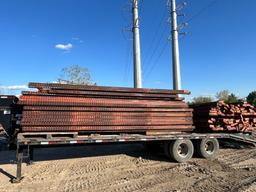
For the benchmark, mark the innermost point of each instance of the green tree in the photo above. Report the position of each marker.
(202, 99)
(251, 98)
(232, 98)
(75, 75)
(228, 97)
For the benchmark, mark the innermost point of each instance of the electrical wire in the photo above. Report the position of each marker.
(128, 41)
(147, 54)
(157, 59)
(128, 62)
(158, 44)
(201, 11)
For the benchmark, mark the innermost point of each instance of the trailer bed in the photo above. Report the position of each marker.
(66, 138)
(69, 138)
(28, 141)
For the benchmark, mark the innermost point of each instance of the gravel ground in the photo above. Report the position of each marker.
(125, 168)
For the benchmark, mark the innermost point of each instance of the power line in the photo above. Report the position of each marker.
(148, 58)
(128, 62)
(155, 34)
(201, 11)
(157, 59)
(147, 54)
(156, 48)
(127, 10)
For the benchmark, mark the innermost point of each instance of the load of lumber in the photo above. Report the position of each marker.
(94, 109)
(219, 116)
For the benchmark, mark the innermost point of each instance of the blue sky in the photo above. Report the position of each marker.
(219, 51)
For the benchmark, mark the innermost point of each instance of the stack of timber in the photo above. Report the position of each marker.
(222, 117)
(94, 109)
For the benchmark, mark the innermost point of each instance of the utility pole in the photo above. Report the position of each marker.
(175, 47)
(136, 45)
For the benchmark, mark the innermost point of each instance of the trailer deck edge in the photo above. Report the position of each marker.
(27, 141)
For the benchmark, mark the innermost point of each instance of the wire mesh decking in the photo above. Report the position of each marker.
(58, 107)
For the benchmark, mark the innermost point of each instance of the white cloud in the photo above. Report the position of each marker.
(65, 47)
(14, 87)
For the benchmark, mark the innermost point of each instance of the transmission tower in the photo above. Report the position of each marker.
(136, 45)
(175, 44)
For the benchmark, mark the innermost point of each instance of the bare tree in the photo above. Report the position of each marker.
(76, 75)
(223, 95)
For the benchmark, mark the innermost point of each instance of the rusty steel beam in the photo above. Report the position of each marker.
(106, 109)
(57, 107)
(51, 86)
(105, 93)
(71, 101)
(106, 128)
(108, 95)
(107, 123)
(98, 114)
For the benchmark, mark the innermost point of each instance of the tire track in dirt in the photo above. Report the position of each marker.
(124, 170)
(244, 183)
(226, 179)
(237, 156)
(93, 173)
(60, 170)
(251, 188)
(86, 174)
(125, 173)
(153, 177)
(107, 176)
(148, 179)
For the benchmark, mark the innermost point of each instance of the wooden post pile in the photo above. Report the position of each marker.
(222, 117)
(94, 109)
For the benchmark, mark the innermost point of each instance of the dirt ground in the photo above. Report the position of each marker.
(125, 168)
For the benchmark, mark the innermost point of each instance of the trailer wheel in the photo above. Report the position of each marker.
(181, 150)
(207, 148)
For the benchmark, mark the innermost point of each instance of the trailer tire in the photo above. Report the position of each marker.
(207, 148)
(181, 150)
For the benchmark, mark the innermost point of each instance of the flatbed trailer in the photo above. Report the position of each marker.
(177, 146)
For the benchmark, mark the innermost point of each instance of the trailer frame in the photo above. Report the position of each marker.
(26, 142)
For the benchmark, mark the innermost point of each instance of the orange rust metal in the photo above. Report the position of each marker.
(57, 107)
(55, 86)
